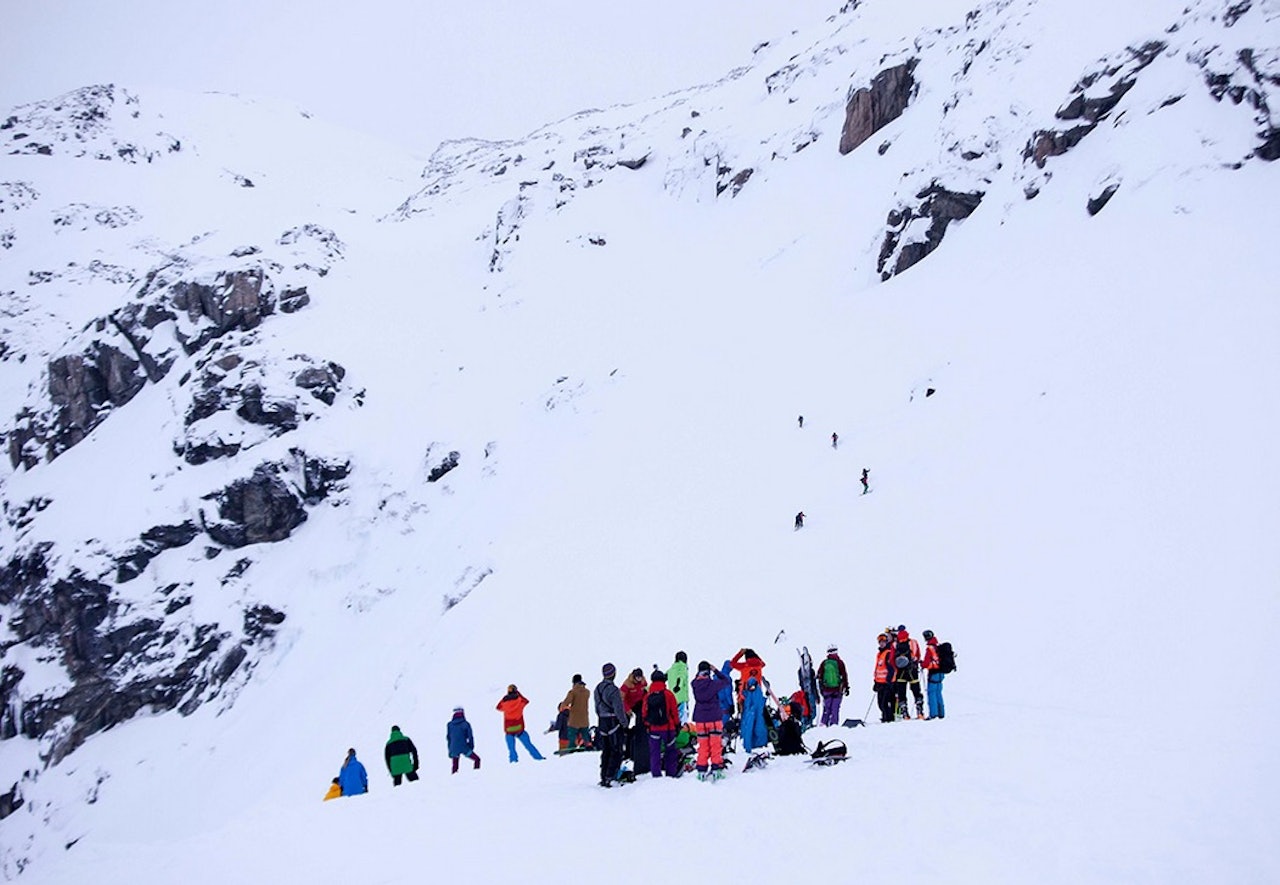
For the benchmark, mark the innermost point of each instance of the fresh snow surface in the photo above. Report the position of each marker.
(1086, 507)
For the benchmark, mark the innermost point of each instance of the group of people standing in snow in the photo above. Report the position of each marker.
(678, 718)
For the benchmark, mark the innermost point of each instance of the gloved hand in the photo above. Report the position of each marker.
(846, 691)
(875, 686)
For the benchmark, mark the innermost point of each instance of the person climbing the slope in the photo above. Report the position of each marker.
(352, 777)
(460, 740)
(401, 756)
(833, 682)
(678, 679)
(512, 707)
(611, 719)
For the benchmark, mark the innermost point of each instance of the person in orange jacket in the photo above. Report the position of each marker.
(883, 686)
(512, 707)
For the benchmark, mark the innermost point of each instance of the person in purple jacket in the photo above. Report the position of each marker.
(708, 719)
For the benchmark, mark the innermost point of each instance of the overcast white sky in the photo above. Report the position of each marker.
(413, 72)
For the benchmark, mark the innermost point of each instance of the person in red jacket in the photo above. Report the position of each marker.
(932, 667)
(512, 707)
(883, 686)
(662, 717)
(634, 690)
(906, 664)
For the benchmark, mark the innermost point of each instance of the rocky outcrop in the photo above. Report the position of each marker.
(1093, 99)
(936, 205)
(154, 541)
(235, 300)
(260, 509)
(872, 108)
(101, 122)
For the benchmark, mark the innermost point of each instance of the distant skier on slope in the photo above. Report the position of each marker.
(835, 441)
(802, 422)
(865, 488)
(800, 520)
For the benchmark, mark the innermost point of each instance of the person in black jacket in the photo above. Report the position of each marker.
(402, 757)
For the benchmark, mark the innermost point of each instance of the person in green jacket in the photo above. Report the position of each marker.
(678, 679)
(402, 757)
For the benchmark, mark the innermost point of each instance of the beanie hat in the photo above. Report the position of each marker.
(681, 656)
(577, 677)
(457, 709)
(609, 671)
(903, 635)
(657, 676)
(704, 667)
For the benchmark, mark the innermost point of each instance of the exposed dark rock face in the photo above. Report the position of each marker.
(447, 463)
(259, 509)
(1095, 204)
(871, 109)
(1086, 109)
(10, 802)
(729, 180)
(235, 300)
(321, 478)
(154, 542)
(321, 381)
(936, 203)
(104, 653)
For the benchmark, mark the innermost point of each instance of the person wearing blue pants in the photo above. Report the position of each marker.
(754, 733)
(512, 708)
(931, 665)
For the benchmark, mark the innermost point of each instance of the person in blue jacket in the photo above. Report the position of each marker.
(754, 732)
(460, 739)
(352, 777)
(726, 694)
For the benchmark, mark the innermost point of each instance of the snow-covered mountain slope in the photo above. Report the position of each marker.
(303, 445)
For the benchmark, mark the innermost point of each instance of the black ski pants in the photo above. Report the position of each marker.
(612, 736)
(885, 694)
(411, 775)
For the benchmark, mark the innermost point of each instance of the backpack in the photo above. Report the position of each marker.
(946, 658)
(830, 673)
(829, 753)
(655, 709)
(903, 662)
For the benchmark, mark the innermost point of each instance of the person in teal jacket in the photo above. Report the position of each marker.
(678, 680)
